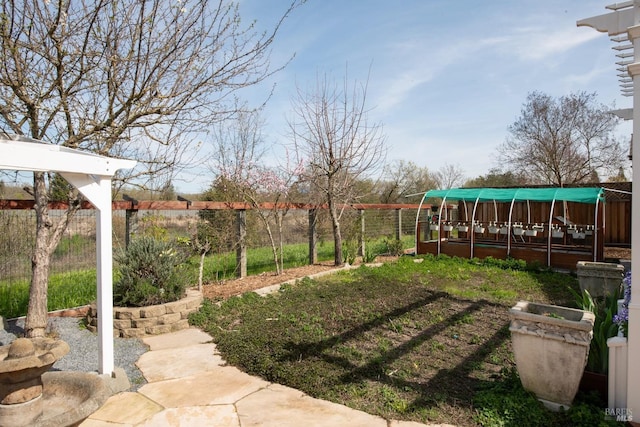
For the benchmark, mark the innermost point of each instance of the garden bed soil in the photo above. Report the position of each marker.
(228, 288)
(617, 253)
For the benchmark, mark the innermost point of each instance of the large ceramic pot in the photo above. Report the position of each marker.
(550, 346)
(599, 278)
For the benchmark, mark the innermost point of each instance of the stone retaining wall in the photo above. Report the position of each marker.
(135, 322)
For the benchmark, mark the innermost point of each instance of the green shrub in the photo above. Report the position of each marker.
(395, 247)
(149, 274)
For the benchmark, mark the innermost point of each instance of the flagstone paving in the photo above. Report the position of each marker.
(189, 384)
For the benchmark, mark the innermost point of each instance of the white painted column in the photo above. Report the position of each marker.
(98, 190)
(104, 246)
(633, 368)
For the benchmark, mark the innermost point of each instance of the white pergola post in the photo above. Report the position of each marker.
(91, 175)
(633, 368)
(624, 24)
(98, 191)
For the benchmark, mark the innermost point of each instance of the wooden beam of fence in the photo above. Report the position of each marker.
(197, 205)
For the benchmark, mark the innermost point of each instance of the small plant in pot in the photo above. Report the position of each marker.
(149, 273)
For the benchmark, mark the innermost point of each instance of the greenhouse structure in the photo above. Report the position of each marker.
(554, 227)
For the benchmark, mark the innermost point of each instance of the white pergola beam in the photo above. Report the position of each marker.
(91, 174)
(622, 5)
(613, 23)
(43, 157)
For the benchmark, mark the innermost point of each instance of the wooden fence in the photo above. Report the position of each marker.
(368, 220)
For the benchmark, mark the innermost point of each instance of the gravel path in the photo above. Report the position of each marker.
(83, 355)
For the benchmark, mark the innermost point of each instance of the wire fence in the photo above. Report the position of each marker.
(77, 249)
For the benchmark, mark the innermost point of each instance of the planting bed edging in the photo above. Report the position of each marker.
(136, 322)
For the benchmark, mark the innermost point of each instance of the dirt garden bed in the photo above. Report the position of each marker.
(228, 288)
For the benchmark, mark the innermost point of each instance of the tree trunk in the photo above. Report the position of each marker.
(280, 218)
(48, 236)
(36, 320)
(337, 236)
(201, 269)
(274, 248)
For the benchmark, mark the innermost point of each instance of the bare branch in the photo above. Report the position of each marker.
(331, 131)
(562, 141)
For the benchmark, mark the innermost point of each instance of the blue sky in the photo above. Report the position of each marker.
(446, 78)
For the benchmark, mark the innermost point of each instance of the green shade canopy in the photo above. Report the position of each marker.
(580, 195)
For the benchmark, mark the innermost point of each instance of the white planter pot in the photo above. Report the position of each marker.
(550, 346)
(494, 230)
(518, 231)
(504, 230)
(531, 233)
(478, 229)
(557, 234)
(579, 236)
(463, 228)
(433, 227)
(447, 227)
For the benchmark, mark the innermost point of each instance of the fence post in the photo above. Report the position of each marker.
(241, 250)
(398, 224)
(313, 237)
(361, 248)
(130, 218)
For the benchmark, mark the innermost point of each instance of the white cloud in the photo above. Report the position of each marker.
(536, 44)
(584, 79)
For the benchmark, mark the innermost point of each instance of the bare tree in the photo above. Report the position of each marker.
(449, 176)
(563, 141)
(238, 155)
(402, 178)
(497, 178)
(332, 133)
(136, 79)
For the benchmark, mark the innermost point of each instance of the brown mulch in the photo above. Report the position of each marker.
(617, 253)
(227, 288)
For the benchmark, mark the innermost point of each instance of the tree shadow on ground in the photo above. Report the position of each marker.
(452, 367)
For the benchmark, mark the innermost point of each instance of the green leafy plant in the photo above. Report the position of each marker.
(603, 328)
(149, 273)
(504, 402)
(349, 251)
(369, 254)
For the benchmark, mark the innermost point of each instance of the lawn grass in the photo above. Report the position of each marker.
(78, 288)
(425, 342)
(65, 290)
